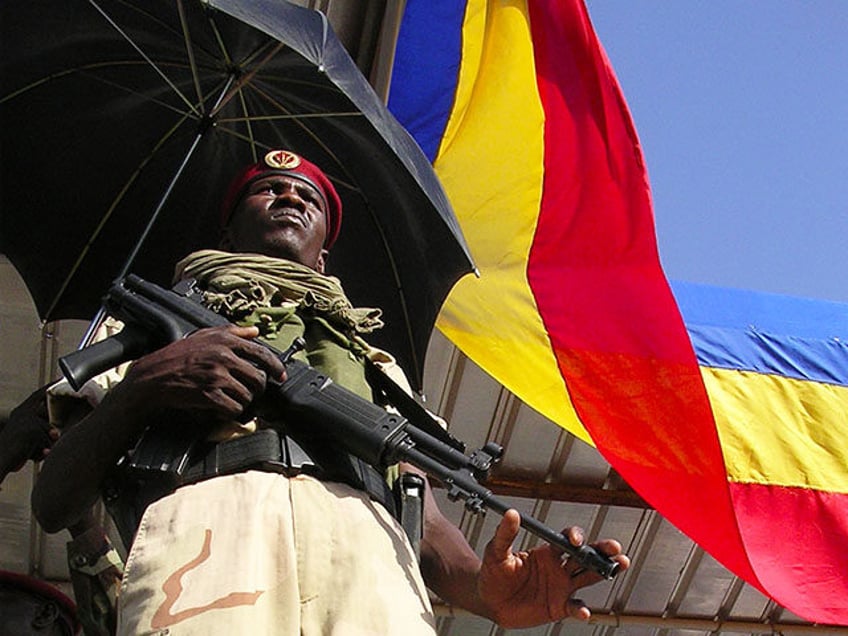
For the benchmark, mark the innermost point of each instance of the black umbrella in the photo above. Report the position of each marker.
(113, 112)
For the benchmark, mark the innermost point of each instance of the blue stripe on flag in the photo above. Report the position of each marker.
(796, 338)
(425, 70)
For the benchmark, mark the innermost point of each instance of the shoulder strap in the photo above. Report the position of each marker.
(390, 392)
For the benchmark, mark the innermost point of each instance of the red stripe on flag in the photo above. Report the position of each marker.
(789, 534)
(613, 323)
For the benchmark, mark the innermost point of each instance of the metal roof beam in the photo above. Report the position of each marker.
(533, 488)
(657, 621)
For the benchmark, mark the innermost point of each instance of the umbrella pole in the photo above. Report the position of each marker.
(205, 124)
(100, 316)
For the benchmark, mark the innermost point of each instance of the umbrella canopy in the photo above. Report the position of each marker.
(113, 113)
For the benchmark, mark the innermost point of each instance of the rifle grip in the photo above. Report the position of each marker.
(81, 365)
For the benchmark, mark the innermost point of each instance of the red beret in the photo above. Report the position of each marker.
(287, 163)
(24, 584)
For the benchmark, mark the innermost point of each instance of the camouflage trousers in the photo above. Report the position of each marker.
(259, 553)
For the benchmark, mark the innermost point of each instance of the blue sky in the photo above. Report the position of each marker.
(742, 110)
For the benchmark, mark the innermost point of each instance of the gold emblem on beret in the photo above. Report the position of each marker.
(282, 160)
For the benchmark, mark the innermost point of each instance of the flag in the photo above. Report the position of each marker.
(518, 108)
(776, 370)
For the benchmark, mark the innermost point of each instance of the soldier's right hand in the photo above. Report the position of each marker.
(215, 373)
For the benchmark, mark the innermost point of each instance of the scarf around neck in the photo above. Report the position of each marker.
(237, 284)
(286, 300)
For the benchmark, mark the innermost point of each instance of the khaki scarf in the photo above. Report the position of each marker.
(239, 283)
(285, 300)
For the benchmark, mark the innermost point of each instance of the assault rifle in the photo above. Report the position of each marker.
(155, 316)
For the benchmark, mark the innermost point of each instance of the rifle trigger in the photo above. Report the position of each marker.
(298, 344)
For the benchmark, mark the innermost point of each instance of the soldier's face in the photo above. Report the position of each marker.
(280, 216)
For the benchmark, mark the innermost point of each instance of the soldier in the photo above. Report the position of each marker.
(29, 606)
(94, 565)
(309, 548)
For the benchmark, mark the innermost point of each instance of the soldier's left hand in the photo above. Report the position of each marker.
(532, 587)
(27, 434)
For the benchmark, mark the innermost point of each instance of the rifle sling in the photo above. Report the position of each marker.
(392, 393)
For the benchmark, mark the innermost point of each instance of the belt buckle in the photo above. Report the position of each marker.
(278, 467)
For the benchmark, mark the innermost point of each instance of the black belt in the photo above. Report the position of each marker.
(263, 450)
(168, 458)
(273, 451)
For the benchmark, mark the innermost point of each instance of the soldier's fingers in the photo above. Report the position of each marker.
(576, 608)
(262, 357)
(501, 544)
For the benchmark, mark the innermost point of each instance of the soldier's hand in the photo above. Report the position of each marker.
(528, 588)
(214, 373)
(27, 434)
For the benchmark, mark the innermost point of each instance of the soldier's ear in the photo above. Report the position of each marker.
(322, 261)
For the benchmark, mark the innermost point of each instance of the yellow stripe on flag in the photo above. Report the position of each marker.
(779, 431)
(491, 165)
